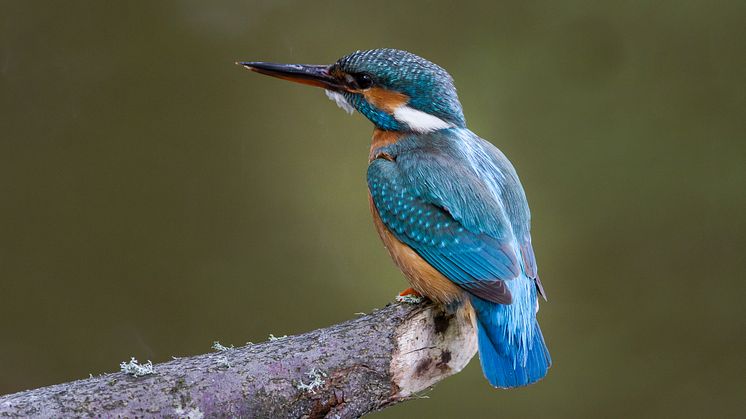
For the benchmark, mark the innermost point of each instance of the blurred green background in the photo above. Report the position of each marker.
(156, 197)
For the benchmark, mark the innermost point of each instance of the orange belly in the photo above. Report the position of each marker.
(423, 277)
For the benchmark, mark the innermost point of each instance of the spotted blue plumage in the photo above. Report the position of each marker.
(457, 201)
(473, 260)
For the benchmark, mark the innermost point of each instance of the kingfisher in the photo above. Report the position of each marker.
(447, 204)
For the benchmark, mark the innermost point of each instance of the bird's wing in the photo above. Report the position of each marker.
(450, 219)
(529, 264)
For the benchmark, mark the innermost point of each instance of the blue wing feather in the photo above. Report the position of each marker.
(470, 257)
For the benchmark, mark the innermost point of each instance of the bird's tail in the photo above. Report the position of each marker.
(511, 350)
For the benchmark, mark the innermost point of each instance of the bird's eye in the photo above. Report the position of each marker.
(363, 80)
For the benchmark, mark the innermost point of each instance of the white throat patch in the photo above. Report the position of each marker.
(419, 121)
(340, 100)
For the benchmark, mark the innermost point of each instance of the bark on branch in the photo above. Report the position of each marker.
(345, 370)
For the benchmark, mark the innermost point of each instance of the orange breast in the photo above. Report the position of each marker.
(381, 138)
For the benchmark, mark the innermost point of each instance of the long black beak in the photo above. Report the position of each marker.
(314, 75)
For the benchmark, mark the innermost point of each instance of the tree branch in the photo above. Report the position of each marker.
(345, 371)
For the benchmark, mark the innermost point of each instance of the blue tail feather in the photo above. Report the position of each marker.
(505, 362)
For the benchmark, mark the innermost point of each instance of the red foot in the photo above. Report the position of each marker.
(410, 291)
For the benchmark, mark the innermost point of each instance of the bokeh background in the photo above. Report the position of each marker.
(155, 197)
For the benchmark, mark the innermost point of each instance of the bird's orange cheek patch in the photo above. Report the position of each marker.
(388, 100)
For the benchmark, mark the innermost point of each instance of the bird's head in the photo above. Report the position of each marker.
(394, 89)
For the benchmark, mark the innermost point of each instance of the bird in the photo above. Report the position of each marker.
(447, 204)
